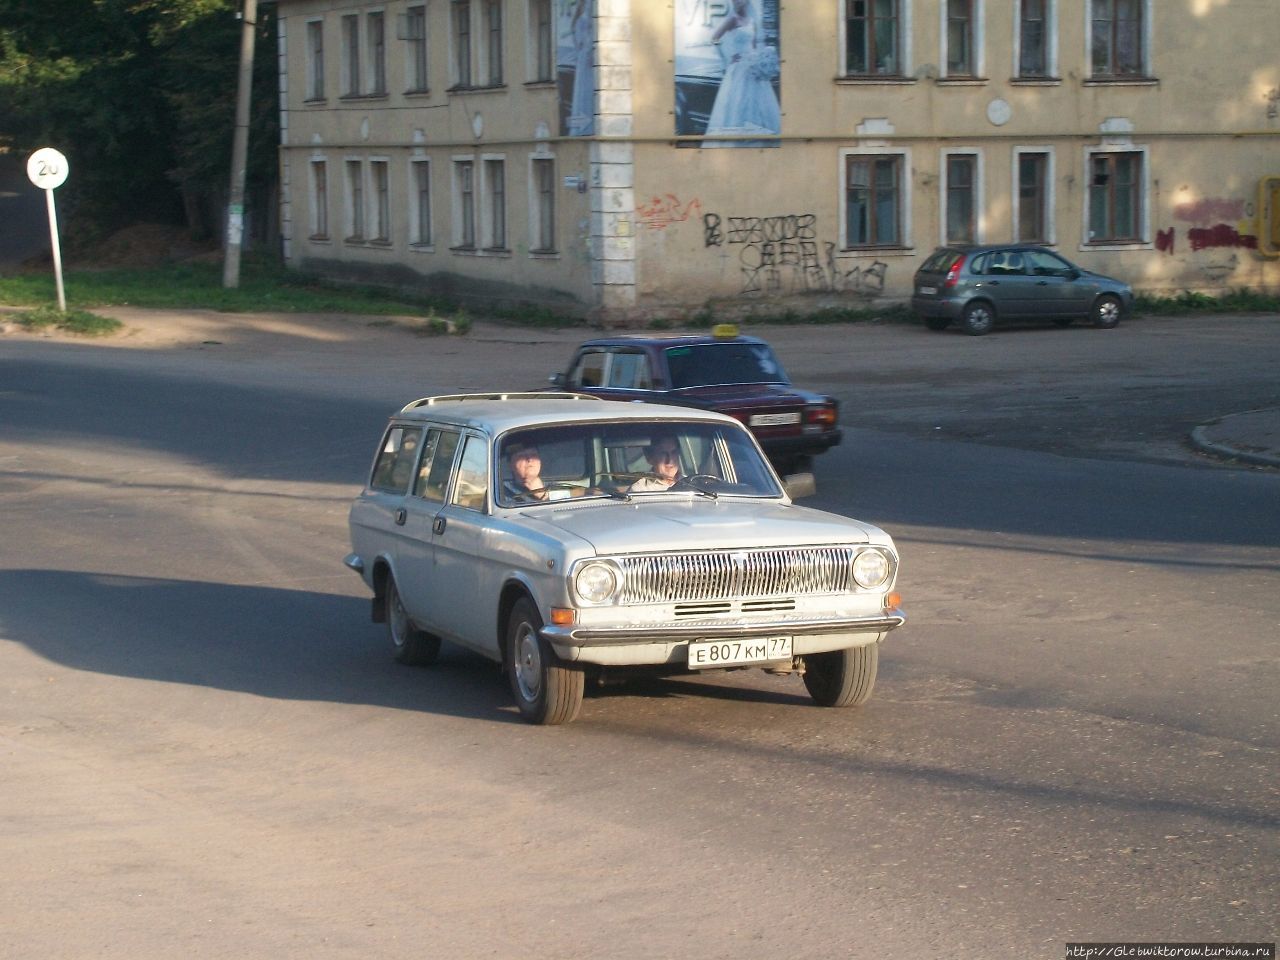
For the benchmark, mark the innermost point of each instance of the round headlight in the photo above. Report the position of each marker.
(871, 568)
(596, 582)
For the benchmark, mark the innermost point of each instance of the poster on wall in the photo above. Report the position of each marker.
(575, 76)
(727, 72)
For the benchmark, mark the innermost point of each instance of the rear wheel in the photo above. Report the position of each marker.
(409, 644)
(1107, 310)
(547, 691)
(842, 678)
(979, 317)
(936, 323)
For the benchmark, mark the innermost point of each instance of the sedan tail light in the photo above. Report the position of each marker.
(824, 415)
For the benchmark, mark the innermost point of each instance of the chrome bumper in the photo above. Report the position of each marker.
(577, 635)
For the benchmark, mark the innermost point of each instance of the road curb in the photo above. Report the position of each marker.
(1201, 439)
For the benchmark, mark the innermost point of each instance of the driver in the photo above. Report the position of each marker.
(663, 455)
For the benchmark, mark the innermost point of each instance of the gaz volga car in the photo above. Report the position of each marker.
(568, 537)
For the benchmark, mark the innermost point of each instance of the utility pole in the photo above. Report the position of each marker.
(240, 150)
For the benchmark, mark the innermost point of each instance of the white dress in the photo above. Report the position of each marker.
(745, 103)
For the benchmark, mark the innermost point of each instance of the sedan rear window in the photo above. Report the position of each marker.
(713, 364)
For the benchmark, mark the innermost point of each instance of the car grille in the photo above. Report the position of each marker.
(737, 574)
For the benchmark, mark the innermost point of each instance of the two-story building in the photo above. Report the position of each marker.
(561, 151)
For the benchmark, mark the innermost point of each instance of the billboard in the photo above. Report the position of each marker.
(575, 63)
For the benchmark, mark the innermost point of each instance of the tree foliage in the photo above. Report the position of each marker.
(140, 95)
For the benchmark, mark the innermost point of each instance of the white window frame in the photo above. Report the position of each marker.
(421, 235)
(314, 31)
(355, 200)
(906, 63)
(1144, 207)
(1050, 42)
(536, 248)
(375, 42)
(350, 55)
(417, 59)
(1148, 70)
(460, 243)
(489, 209)
(977, 38)
(1050, 199)
(319, 192)
(979, 193)
(380, 206)
(906, 243)
(532, 48)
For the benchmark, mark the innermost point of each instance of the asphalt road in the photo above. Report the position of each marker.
(209, 752)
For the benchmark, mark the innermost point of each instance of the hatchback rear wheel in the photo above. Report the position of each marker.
(979, 317)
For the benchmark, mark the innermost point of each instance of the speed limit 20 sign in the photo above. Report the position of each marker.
(47, 168)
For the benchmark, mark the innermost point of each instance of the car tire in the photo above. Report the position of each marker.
(547, 691)
(842, 678)
(1062, 321)
(937, 323)
(409, 645)
(978, 318)
(1106, 311)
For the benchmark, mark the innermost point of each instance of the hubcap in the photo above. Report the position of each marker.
(527, 663)
(399, 619)
(1108, 310)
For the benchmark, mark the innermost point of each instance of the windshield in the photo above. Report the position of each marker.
(704, 364)
(629, 459)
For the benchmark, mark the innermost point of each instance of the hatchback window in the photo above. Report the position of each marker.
(1045, 264)
(721, 363)
(940, 261)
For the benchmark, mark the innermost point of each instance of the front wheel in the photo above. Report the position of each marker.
(842, 678)
(547, 691)
(409, 644)
(979, 317)
(1107, 311)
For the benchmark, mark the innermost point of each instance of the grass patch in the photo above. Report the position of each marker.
(706, 318)
(1187, 302)
(80, 322)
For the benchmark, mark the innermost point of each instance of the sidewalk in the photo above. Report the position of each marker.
(1250, 437)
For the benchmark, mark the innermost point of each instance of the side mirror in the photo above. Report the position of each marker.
(1073, 274)
(556, 379)
(799, 485)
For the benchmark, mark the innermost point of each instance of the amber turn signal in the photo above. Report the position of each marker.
(563, 616)
(892, 601)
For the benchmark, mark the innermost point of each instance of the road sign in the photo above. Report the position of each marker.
(47, 168)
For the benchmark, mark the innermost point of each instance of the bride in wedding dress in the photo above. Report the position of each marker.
(745, 102)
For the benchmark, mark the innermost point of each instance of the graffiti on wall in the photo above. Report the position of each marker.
(783, 255)
(1220, 235)
(1207, 235)
(661, 212)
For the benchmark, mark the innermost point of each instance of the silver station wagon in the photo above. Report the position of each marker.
(568, 538)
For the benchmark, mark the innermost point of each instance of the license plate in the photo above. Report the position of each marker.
(928, 290)
(704, 654)
(773, 419)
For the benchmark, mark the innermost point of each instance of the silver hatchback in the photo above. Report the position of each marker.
(974, 286)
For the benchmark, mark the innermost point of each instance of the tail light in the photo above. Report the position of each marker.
(953, 275)
(824, 415)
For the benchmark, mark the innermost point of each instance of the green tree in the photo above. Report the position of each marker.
(140, 96)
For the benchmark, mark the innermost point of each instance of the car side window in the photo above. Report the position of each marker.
(394, 466)
(472, 483)
(437, 464)
(588, 370)
(1005, 262)
(630, 371)
(1045, 264)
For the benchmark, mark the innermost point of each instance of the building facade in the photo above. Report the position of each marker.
(626, 159)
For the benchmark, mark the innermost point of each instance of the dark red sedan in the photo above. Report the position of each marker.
(733, 374)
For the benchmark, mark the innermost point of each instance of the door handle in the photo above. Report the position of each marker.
(401, 516)
(438, 525)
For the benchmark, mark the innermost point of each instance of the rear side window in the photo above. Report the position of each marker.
(588, 371)
(437, 464)
(941, 261)
(394, 467)
(630, 371)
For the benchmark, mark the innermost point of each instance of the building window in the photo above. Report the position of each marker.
(351, 56)
(420, 211)
(493, 42)
(355, 200)
(381, 201)
(415, 36)
(961, 198)
(461, 14)
(960, 34)
(872, 37)
(873, 201)
(319, 200)
(1117, 39)
(1033, 39)
(1032, 217)
(543, 204)
(315, 60)
(541, 41)
(375, 28)
(495, 191)
(464, 188)
(1115, 197)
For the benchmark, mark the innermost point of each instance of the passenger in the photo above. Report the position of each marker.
(663, 455)
(526, 481)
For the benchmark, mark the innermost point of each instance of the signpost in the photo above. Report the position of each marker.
(47, 169)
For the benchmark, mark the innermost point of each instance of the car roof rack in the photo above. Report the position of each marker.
(464, 397)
